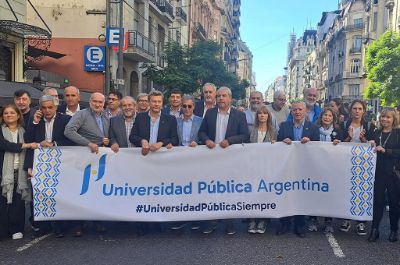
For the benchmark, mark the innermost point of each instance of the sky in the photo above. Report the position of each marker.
(266, 25)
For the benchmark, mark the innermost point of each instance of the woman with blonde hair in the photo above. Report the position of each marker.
(263, 132)
(387, 140)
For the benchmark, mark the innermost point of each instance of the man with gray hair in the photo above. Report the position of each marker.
(223, 125)
(313, 110)
(71, 99)
(208, 102)
(121, 125)
(47, 128)
(143, 103)
(298, 129)
(89, 127)
(49, 91)
(278, 107)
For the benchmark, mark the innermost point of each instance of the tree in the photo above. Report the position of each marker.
(382, 67)
(189, 68)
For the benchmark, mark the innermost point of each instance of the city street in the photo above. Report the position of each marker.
(123, 246)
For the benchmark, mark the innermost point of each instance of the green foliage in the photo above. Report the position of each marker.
(382, 67)
(189, 68)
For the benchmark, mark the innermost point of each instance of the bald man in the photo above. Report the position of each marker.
(71, 98)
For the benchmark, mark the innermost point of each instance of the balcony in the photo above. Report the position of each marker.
(140, 48)
(338, 77)
(200, 30)
(180, 14)
(354, 27)
(165, 7)
(354, 50)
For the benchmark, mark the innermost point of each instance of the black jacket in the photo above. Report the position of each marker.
(237, 131)
(167, 130)
(386, 161)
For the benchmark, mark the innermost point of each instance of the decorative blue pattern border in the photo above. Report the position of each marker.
(362, 172)
(46, 176)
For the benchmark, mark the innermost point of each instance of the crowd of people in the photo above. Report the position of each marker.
(144, 123)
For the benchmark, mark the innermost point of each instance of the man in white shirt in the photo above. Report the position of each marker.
(71, 98)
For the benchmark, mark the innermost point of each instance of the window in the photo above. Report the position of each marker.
(375, 25)
(355, 66)
(357, 43)
(375, 2)
(358, 23)
(354, 91)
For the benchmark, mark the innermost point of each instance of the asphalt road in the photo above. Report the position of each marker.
(121, 245)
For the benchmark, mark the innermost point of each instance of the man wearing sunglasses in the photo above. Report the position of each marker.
(188, 123)
(188, 128)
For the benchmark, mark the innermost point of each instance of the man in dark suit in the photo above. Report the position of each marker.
(298, 129)
(153, 129)
(224, 126)
(175, 104)
(209, 96)
(121, 125)
(47, 128)
(71, 98)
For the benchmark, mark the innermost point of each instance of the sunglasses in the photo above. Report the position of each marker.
(187, 106)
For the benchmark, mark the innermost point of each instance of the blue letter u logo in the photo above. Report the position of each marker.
(88, 171)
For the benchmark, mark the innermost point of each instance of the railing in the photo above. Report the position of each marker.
(164, 6)
(355, 50)
(201, 29)
(357, 26)
(180, 13)
(138, 40)
(339, 77)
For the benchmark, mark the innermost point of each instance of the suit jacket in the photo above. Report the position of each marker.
(82, 129)
(117, 131)
(310, 130)
(199, 108)
(236, 132)
(196, 123)
(167, 129)
(37, 133)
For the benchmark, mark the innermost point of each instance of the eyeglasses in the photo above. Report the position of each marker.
(187, 106)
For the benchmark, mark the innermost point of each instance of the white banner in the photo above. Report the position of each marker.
(242, 181)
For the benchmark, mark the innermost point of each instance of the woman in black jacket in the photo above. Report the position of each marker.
(387, 140)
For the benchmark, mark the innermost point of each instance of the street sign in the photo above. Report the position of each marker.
(94, 58)
(113, 36)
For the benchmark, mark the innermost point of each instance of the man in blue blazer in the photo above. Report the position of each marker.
(153, 129)
(188, 123)
(224, 126)
(121, 125)
(298, 129)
